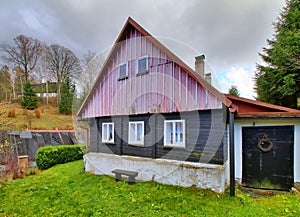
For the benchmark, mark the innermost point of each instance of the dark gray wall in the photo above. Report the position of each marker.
(205, 136)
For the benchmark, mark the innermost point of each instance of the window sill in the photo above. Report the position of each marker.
(136, 144)
(142, 73)
(109, 143)
(120, 79)
(174, 146)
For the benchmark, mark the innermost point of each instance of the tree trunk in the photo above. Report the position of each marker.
(58, 91)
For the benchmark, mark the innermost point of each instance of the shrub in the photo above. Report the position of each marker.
(32, 172)
(49, 156)
(12, 114)
(25, 111)
(37, 113)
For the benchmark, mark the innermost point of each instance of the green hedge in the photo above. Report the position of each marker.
(49, 156)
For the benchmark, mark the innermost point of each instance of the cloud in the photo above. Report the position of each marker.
(240, 77)
(229, 33)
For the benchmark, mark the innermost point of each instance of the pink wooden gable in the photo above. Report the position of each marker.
(169, 85)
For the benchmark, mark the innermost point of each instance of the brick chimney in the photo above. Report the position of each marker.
(199, 65)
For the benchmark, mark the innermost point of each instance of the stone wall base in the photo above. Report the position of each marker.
(171, 172)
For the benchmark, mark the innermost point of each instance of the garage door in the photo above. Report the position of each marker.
(268, 157)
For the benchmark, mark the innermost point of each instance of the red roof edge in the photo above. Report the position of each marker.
(281, 110)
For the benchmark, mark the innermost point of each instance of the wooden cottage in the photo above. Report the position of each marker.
(150, 112)
(267, 144)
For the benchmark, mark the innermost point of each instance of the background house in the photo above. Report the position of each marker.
(47, 89)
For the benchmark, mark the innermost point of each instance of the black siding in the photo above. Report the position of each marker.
(205, 136)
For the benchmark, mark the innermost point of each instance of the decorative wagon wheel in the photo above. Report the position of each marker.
(263, 141)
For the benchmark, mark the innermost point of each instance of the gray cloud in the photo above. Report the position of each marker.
(229, 32)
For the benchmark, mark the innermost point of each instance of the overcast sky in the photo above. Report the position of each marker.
(230, 33)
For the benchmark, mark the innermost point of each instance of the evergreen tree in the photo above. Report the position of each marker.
(30, 99)
(67, 94)
(278, 82)
(234, 91)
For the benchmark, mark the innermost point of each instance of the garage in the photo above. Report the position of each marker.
(267, 155)
(266, 145)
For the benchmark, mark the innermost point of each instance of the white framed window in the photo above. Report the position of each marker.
(174, 133)
(136, 133)
(142, 65)
(123, 71)
(108, 133)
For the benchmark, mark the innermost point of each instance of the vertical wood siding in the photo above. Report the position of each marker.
(166, 88)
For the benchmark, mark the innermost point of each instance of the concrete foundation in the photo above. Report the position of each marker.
(171, 172)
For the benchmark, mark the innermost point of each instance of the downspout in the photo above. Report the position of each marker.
(231, 150)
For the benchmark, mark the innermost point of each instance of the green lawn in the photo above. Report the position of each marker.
(65, 190)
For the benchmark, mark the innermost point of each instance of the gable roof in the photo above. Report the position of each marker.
(130, 23)
(253, 108)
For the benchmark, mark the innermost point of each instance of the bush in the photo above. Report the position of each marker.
(49, 156)
(12, 114)
(37, 113)
(25, 111)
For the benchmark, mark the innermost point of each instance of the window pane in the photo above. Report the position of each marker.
(142, 65)
(139, 132)
(110, 131)
(179, 132)
(104, 132)
(169, 133)
(132, 132)
(122, 71)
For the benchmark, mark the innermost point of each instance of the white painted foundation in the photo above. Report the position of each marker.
(171, 172)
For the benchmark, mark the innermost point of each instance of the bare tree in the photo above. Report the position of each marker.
(25, 53)
(92, 64)
(61, 63)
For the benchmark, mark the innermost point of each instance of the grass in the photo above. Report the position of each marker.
(49, 119)
(65, 190)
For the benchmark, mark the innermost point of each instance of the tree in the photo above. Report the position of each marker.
(29, 100)
(234, 91)
(92, 64)
(62, 63)
(5, 83)
(67, 94)
(278, 82)
(25, 53)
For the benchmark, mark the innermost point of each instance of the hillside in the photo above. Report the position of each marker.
(49, 118)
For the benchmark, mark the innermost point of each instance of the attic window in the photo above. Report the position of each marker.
(123, 71)
(142, 65)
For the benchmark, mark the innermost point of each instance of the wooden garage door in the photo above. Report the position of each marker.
(268, 157)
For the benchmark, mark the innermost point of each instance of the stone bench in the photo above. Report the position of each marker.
(131, 175)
